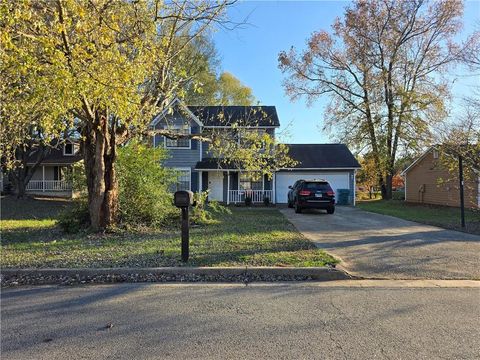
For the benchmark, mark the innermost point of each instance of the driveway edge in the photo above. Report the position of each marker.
(13, 277)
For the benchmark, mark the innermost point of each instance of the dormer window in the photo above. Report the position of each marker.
(182, 143)
(69, 149)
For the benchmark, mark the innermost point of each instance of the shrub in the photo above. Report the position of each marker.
(398, 195)
(216, 207)
(248, 198)
(203, 212)
(266, 201)
(144, 186)
(75, 218)
(199, 211)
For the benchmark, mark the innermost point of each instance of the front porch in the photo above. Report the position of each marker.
(49, 185)
(51, 181)
(234, 187)
(257, 196)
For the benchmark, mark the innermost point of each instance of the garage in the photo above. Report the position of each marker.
(332, 162)
(285, 179)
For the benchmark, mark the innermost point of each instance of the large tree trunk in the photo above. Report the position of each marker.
(383, 187)
(388, 187)
(21, 175)
(18, 180)
(99, 157)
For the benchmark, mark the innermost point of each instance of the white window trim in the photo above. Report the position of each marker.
(189, 175)
(174, 102)
(189, 147)
(73, 149)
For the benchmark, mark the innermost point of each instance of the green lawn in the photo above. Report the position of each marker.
(442, 216)
(255, 237)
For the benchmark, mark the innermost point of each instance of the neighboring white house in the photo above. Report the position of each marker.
(51, 176)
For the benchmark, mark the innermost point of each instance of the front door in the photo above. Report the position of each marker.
(215, 185)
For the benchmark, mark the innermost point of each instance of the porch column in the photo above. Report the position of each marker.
(43, 178)
(71, 181)
(354, 185)
(200, 174)
(228, 187)
(274, 185)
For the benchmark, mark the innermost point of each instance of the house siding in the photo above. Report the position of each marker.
(180, 157)
(438, 185)
(194, 181)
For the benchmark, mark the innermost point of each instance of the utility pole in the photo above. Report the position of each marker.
(462, 200)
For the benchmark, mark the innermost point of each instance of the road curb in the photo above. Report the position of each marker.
(13, 277)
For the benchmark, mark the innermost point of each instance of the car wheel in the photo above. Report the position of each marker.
(298, 209)
(289, 204)
(331, 210)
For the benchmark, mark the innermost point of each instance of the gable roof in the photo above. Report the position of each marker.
(437, 147)
(248, 116)
(309, 157)
(175, 102)
(417, 160)
(322, 156)
(55, 157)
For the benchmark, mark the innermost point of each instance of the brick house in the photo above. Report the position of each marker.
(428, 182)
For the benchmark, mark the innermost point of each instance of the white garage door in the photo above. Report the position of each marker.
(338, 180)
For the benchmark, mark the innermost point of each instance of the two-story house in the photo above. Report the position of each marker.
(51, 176)
(200, 170)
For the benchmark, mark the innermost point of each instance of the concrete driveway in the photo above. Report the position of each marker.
(379, 246)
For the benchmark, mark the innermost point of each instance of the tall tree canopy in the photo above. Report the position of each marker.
(210, 86)
(383, 66)
(109, 64)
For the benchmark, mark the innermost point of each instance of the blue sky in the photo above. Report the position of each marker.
(250, 53)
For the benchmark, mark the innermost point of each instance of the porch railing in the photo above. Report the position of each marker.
(49, 185)
(257, 196)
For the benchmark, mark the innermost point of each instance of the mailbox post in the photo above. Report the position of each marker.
(183, 199)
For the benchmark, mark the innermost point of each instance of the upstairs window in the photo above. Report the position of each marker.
(179, 143)
(68, 149)
(435, 154)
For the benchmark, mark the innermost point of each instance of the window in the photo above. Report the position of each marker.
(317, 186)
(68, 149)
(184, 177)
(179, 143)
(435, 154)
(250, 181)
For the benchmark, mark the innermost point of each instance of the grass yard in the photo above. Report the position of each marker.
(255, 237)
(442, 216)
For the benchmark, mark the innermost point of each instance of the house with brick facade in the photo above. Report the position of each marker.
(428, 181)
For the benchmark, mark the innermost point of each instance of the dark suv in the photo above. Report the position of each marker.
(311, 194)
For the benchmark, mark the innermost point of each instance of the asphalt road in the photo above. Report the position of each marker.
(260, 321)
(378, 246)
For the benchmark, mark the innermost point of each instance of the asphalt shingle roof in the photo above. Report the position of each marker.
(309, 156)
(241, 115)
(55, 156)
(322, 156)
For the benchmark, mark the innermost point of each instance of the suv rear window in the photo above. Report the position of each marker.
(317, 186)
